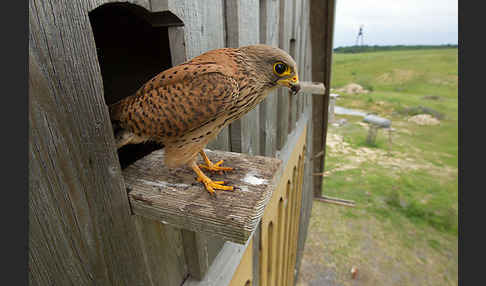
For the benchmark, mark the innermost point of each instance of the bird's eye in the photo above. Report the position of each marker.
(280, 68)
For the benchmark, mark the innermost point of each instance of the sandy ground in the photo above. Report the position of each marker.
(389, 159)
(335, 244)
(352, 88)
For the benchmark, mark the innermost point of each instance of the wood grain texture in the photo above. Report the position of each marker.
(279, 225)
(163, 252)
(203, 31)
(77, 199)
(294, 42)
(269, 19)
(307, 197)
(173, 197)
(322, 15)
(309, 87)
(309, 180)
(242, 29)
(300, 42)
(224, 266)
(82, 230)
(285, 32)
(200, 250)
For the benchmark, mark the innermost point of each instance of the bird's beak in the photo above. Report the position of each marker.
(292, 83)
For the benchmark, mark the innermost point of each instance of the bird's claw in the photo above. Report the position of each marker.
(215, 167)
(212, 185)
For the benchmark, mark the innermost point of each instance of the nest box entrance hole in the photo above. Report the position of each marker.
(133, 46)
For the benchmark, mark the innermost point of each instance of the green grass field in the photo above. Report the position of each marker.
(404, 228)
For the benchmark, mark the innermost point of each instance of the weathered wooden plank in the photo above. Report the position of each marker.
(302, 39)
(172, 196)
(213, 32)
(276, 239)
(224, 266)
(282, 118)
(177, 44)
(307, 196)
(269, 34)
(299, 38)
(294, 52)
(96, 195)
(77, 196)
(200, 251)
(242, 28)
(307, 187)
(269, 19)
(142, 3)
(283, 107)
(322, 15)
(163, 252)
(202, 23)
(203, 33)
(309, 88)
(308, 184)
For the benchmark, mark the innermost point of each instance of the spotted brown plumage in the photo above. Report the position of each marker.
(186, 106)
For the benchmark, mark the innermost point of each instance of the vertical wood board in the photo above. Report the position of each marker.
(67, 110)
(242, 28)
(269, 29)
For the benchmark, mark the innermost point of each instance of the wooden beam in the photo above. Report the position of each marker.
(336, 201)
(242, 28)
(224, 266)
(173, 196)
(321, 15)
(317, 88)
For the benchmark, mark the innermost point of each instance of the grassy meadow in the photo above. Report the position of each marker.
(404, 227)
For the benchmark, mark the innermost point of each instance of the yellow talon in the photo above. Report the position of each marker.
(214, 167)
(208, 183)
(216, 182)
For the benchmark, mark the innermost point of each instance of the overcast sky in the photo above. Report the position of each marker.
(396, 22)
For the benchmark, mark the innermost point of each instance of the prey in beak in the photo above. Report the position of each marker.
(292, 83)
(295, 88)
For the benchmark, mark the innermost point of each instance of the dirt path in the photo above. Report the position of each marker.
(341, 238)
(397, 161)
(335, 244)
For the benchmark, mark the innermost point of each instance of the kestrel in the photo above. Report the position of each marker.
(186, 106)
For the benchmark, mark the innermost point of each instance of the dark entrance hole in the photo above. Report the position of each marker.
(132, 46)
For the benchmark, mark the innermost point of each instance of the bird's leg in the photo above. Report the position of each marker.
(212, 166)
(208, 183)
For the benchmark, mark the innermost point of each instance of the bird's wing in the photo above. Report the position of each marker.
(178, 101)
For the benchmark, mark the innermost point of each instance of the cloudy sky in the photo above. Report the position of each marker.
(396, 22)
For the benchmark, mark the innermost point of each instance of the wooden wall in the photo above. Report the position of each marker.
(81, 230)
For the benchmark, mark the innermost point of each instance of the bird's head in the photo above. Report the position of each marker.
(275, 66)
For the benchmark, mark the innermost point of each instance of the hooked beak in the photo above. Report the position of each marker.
(292, 83)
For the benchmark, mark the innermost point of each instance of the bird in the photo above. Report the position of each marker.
(184, 107)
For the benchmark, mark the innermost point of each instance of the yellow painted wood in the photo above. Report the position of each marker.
(280, 223)
(243, 275)
(278, 246)
(297, 202)
(288, 232)
(279, 227)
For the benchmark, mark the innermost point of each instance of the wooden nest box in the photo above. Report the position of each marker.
(107, 217)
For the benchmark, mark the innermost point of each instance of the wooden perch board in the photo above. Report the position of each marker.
(312, 87)
(174, 197)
